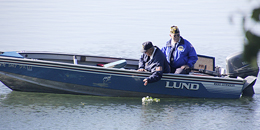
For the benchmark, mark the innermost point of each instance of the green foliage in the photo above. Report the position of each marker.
(252, 45)
(146, 100)
(255, 14)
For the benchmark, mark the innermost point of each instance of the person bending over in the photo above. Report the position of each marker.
(153, 60)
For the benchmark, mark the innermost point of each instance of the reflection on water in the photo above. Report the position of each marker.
(55, 100)
(75, 111)
(41, 110)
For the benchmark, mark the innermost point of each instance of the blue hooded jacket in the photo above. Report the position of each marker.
(184, 54)
(158, 65)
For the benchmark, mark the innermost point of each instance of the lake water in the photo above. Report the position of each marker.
(118, 28)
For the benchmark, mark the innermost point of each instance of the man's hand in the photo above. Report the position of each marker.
(141, 70)
(185, 67)
(145, 82)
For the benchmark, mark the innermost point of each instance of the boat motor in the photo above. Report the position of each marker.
(237, 67)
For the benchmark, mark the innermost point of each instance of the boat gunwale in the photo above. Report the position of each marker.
(71, 54)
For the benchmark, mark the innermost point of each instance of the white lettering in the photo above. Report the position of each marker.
(12, 65)
(194, 86)
(187, 86)
(173, 86)
(174, 83)
(29, 68)
(182, 85)
(167, 85)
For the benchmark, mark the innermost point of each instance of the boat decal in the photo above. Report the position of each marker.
(182, 85)
(22, 67)
(2, 64)
(212, 87)
(222, 88)
(29, 68)
(105, 82)
(136, 78)
(107, 78)
(224, 84)
(14, 65)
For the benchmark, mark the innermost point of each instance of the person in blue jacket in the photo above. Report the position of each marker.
(153, 60)
(179, 53)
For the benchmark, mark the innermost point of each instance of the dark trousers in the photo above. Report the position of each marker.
(180, 71)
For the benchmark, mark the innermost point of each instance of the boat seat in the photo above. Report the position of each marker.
(11, 54)
(116, 64)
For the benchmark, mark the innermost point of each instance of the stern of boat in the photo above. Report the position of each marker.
(238, 68)
(248, 89)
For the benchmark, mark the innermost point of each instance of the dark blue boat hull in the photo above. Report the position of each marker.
(41, 76)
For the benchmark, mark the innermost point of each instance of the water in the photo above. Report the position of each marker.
(117, 28)
(20, 110)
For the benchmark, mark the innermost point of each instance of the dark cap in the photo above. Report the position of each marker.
(146, 45)
(174, 29)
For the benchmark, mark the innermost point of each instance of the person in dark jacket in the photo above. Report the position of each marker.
(179, 53)
(153, 60)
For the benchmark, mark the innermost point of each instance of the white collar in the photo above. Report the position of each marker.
(151, 57)
(173, 44)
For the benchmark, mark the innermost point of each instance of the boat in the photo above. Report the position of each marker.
(63, 73)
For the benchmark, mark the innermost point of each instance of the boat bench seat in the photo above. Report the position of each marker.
(116, 64)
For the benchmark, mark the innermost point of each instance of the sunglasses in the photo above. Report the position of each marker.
(176, 35)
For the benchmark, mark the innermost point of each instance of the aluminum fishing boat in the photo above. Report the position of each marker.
(109, 76)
